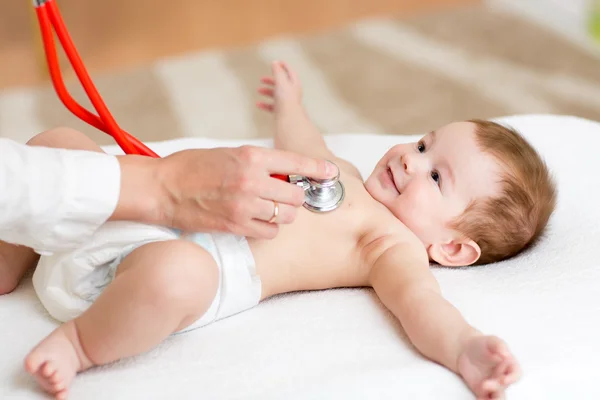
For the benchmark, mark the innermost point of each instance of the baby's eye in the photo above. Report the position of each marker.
(435, 176)
(421, 147)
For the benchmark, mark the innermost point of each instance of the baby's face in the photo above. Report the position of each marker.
(429, 183)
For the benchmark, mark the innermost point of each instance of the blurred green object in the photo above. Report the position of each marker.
(594, 21)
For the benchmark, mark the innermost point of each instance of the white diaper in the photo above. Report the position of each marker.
(68, 283)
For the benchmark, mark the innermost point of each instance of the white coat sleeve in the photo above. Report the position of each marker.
(54, 199)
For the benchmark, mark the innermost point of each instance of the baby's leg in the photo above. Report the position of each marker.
(14, 263)
(294, 131)
(16, 260)
(160, 288)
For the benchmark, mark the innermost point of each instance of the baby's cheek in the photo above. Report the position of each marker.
(406, 210)
(422, 198)
(417, 206)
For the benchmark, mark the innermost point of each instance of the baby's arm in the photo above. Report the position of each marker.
(293, 129)
(402, 280)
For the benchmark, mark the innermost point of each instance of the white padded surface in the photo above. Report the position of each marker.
(342, 344)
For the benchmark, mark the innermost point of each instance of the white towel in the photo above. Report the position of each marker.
(342, 344)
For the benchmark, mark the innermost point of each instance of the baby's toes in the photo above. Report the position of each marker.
(48, 370)
(266, 91)
(55, 378)
(57, 382)
(43, 381)
(58, 388)
(34, 362)
(265, 106)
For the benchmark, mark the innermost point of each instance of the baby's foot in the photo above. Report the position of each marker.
(56, 360)
(284, 88)
(488, 367)
(14, 262)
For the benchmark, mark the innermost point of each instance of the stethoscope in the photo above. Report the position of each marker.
(319, 195)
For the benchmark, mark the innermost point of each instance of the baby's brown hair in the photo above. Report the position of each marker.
(507, 224)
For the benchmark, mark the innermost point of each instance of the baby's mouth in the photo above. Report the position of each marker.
(391, 175)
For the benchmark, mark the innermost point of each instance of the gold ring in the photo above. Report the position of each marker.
(275, 212)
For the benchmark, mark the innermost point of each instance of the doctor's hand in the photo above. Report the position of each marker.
(230, 189)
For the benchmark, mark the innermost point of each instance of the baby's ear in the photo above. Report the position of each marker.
(456, 253)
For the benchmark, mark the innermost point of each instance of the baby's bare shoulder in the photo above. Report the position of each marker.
(386, 234)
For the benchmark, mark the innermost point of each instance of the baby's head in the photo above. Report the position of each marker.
(474, 192)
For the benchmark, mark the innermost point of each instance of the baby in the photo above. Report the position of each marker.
(468, 193)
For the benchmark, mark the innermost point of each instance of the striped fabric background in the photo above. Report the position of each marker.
(377, 76)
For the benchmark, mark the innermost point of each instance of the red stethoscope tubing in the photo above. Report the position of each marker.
(49, 17)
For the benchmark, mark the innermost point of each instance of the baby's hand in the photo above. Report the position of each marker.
(488, 367)
(283, 87)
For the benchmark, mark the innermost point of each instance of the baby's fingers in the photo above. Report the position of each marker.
(498, 396)
(495, 345)
(510, 373)
(492, 389)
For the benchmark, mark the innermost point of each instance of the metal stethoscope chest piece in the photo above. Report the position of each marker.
(320, 195)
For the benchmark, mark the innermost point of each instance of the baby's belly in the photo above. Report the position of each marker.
(309, 256)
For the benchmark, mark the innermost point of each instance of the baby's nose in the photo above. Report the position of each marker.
(411, 163)
(408, 163)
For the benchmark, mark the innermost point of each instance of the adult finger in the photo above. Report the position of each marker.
(289, 163)
(281, 191)
(260, 229)
(273, 212)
